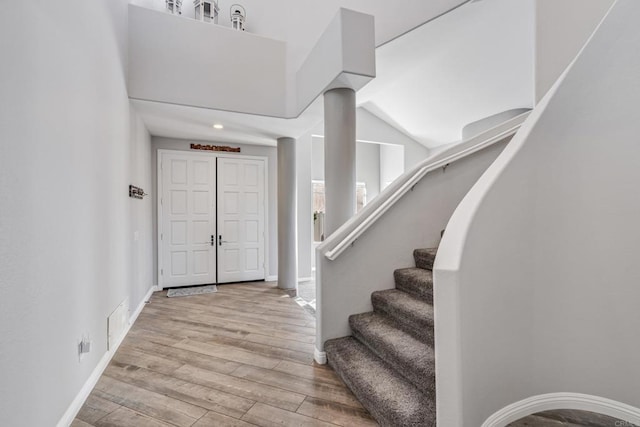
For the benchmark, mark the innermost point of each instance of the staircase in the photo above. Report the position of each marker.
(389, 362)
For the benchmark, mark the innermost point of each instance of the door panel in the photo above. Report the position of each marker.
(188, 220)
(241, 220)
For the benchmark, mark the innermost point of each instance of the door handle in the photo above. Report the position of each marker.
(213, 240)
(220, 241)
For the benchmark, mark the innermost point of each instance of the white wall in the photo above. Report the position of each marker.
(414, 221)
(161, 143)
(367, 164)
(371, 128)
(536, 280)
(305, 206)
(300, 24)
(391, 163)
(66, 247)
(466, 65)
(141, 211)
(368, 167)
(375, 131)
(561, 29)
(185, 62)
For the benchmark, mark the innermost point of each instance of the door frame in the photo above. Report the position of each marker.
(214, 155)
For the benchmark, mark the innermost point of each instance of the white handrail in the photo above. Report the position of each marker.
(348, 233)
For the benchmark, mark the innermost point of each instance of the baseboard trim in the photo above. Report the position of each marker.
(73, 409)
(136, 313)
(271, 279)
(319, 356)
(552, 401)
(305, 279)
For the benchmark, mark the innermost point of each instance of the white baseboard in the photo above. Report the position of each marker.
(300, 279)
(553, 401)
(138, 310)
(319, 356)
(85, 391)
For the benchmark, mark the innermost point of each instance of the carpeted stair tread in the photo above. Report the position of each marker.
(391, 399)
(415, 281)
(413, 315)
(412, 358)
(424, 258)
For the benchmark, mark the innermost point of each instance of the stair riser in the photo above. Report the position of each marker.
(422, 331)
(422, 381)
(419, 411)
(416, 291)
(419, 285)
(424, 258)
(425, 263)
(371, 406)
(362, 397)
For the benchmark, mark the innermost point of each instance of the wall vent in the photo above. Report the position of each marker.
(117, 324)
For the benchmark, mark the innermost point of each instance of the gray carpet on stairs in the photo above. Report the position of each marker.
(424, 258)
(415, 281)
(412, 315)
(389, 362)
(412, 359)
(392, 400)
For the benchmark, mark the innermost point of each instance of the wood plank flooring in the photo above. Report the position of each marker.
(240, 357)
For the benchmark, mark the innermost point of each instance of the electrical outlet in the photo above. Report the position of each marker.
(84, 346)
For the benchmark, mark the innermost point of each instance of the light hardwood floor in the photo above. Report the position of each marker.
(240, 357)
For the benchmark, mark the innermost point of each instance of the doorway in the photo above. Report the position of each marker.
(211, 218)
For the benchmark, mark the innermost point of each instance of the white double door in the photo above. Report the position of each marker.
(212, 219)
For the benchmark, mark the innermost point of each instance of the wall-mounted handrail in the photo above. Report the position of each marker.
(350, 231)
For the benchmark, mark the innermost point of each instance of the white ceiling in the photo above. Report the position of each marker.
(469, 64)
(182, 122)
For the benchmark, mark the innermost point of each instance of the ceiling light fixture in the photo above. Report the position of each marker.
(218, 126)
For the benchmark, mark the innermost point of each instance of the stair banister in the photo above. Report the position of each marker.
(348, 233)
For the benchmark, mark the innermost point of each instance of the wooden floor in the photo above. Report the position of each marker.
(240, 357)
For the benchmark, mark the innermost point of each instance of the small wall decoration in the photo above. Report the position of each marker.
(206, 10)
(174, 6)
(238, 16)
(136, 192)
(215, 148)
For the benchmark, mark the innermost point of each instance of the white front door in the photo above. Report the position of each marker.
(241, 220)
(188, 220)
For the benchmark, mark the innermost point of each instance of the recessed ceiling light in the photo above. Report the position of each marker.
(218, 126)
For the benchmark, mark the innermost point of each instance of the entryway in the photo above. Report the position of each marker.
(211, 218)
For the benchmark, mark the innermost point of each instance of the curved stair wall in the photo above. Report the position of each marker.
(536, 279)
(352, 264)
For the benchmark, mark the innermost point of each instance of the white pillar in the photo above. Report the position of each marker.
(339, 157)
(287, 215)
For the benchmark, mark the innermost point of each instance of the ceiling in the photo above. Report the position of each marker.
(182, 122)
(430, 82)
(467, 65)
